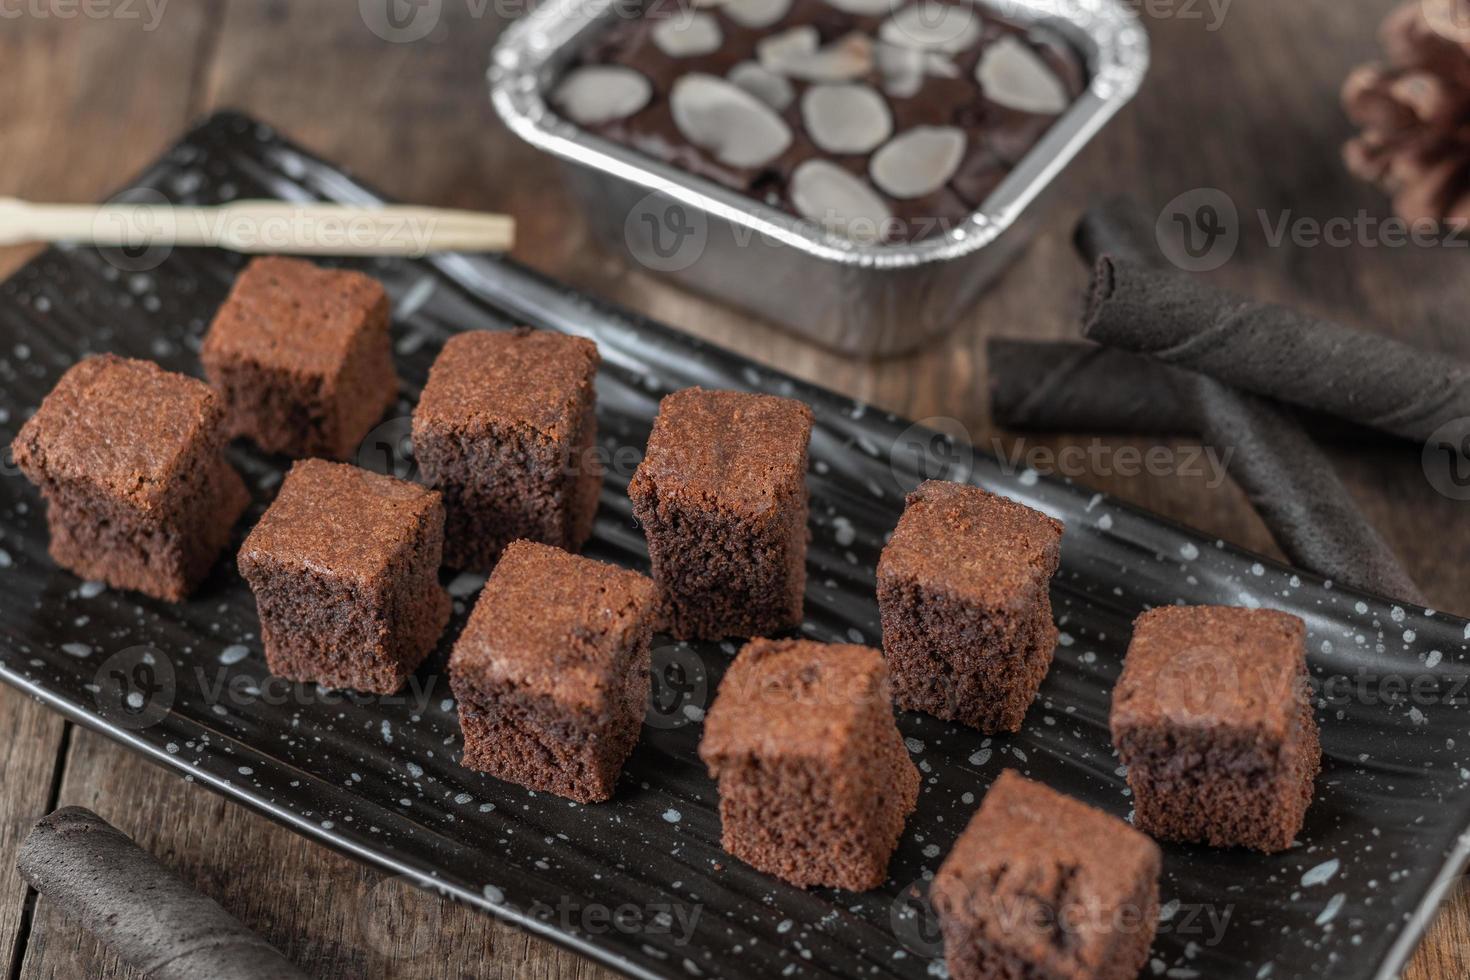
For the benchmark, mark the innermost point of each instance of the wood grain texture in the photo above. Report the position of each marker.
(30, 746)
(1250, 109)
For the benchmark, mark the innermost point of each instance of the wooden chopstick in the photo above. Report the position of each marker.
(260, 226)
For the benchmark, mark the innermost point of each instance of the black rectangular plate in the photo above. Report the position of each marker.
(378, 778)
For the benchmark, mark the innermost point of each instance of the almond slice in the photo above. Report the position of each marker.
(756, 13)
(932, 26)
(847, 118)
(688, 35)
(596, 94)
(823, 192)
(1015, 76)
(772, 89)
(918, 162)
(736, 127)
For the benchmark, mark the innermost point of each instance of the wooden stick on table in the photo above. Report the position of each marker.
(260, 226)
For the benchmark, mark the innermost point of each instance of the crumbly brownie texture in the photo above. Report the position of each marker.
(721, 494)
(843, 88)
(551, 673)
(1027, 892)
(506, 430)
(302, 358)
(815, 782)
(1213, 718)
(966, 611)
(128, 458)
(344, 566)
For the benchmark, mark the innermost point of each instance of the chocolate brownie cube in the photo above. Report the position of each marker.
(506, 430)
(128, 458)
(815, 781)
(963, 592)
(551, 672)
(302, 358)
(721, 494)
(344, 566)
(1042, 885)
(1213, 718)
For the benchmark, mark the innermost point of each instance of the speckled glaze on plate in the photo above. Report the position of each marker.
(378, 778)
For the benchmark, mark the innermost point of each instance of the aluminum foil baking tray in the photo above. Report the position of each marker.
(860, 299)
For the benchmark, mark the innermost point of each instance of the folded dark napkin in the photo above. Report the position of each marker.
(1077, 386)
(1273, 350)
(140, 909)
(1292, 484)
(1286, 476)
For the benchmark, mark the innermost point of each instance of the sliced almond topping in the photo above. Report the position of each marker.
(932, 26)
(844, 60)
(777, 49)
(772, 89)
(756, 13)
(846, 118)
(597, 94)
(688, 35)
(919, 161)
(1014, 75)
(904, 69)
(721, 117)
(823, 192)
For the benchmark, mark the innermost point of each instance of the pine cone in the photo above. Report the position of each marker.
(1414, 110)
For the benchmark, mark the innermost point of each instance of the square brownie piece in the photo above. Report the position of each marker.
(721, 494)
(302, 358)
(815, 781)
(345, 570)
(506, 430)
(1028, 891)
(551, 672)
(1213, 718)
(963, 592)
(128, 458)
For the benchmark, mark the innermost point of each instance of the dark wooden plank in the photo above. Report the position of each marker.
(30, 745)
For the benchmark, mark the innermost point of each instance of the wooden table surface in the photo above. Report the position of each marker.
(1247, 104)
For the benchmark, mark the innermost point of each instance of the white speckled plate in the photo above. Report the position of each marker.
(641, 882)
